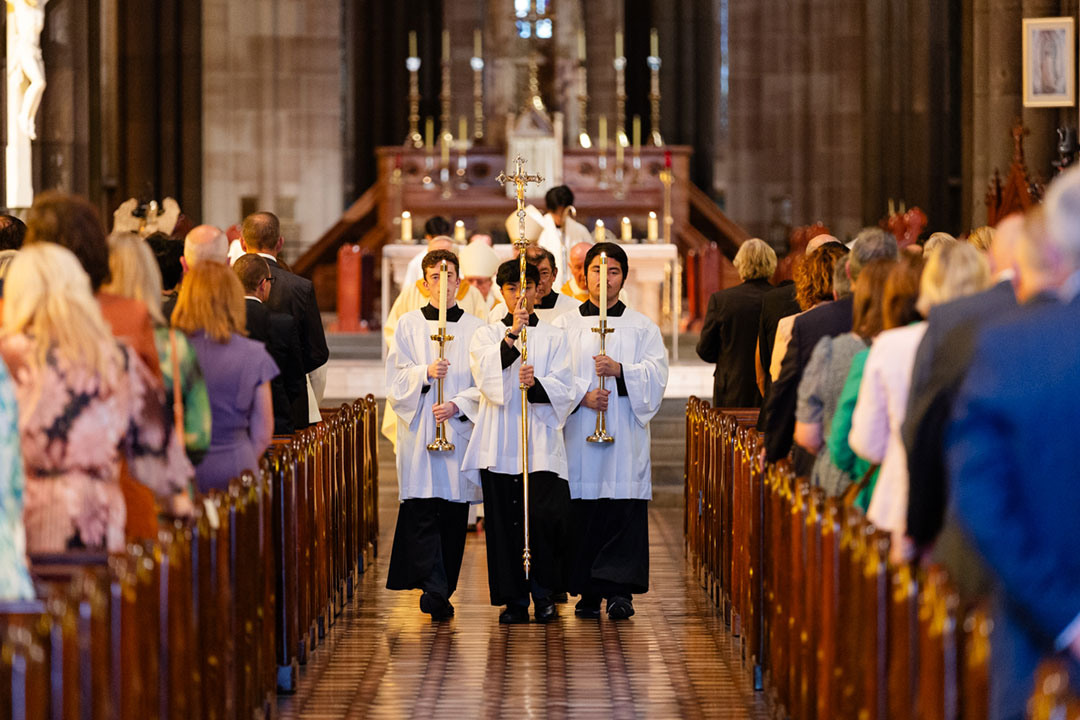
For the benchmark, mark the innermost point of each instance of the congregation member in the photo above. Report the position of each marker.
(434, 492)
(85, 400)
(479, 263)
(830, 319)
(813, 286)
(611, 483)
(293, 295)
(981, 238)
(167, 253)
(238, 371)
(495, 450)
(134, 274)
(1011, 454)
(827, 370)
(729, 336)
(936, 239)
(952, 271)
(436, 227)
(575, 285)
(12, 234)
(278, 334)
(15, 582)
(201, 243)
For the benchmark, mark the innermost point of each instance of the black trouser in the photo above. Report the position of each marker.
(429, 542)
(611, 548)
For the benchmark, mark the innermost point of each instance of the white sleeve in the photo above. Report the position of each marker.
(485, 361)
(558, 382)
(406, 376)
(646, 379)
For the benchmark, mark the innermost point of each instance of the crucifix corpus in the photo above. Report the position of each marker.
(520, 179)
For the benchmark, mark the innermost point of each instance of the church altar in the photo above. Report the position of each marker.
(652, 287)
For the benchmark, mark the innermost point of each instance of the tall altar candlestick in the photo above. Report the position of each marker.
(618, 44)
(627, 230)
(618, 153)
(637, 134)
(406, 227)
(412, 43)
(581, 45)
(477, 43)
(603, 289)
(654, 43)
(429, 133)
(459, 232)
(463, 130)
(446, 45)
(651, 229)
(599, 231)
(442, 298)
(603, 133)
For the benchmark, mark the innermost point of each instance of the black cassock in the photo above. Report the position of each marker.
(429, 542)
(549, 511)
(610, 547)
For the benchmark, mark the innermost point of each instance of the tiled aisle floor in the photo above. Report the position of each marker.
(384, 659)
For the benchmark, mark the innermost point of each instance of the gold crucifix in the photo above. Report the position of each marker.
(519, 178)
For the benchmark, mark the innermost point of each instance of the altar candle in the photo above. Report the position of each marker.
(412, 43)
(477, 43)
(429, 133)
(618, 44)
(652, 227)
(619, 149)
(462, 129)
(444, 140)
(446, 46)
(581, 45)
(406, 227)
(603, 133)
(627, 231)
(654, 43)
(599, 231)
(442, 298)
(459, 231)
(603, 288)
(637, 134)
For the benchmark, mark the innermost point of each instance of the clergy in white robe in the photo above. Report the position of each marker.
(549, 303)
(575, 285)
(495, 451)
(611, 483)
(434, 492)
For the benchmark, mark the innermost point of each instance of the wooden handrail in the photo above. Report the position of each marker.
(350, 225)
(729, 235)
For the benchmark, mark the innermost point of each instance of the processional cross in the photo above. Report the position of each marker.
(520, 179)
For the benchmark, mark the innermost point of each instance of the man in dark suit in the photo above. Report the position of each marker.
(289, 294)
(277, 331)
(729, 335)
(829, 319)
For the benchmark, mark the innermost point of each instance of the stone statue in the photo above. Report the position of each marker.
(25, 75)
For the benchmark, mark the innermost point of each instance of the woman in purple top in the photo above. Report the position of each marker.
(238, 371)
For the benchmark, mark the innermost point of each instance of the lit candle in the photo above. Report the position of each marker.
(618, 151)
(627, 231)
(581, 45)
(412, 43)
(442, 297)
(477, 43)
(654, 43)
(459, 231)
(603, 288)
(446, 46)
(652, 227)
(599, 232)
(406, 227)
(618, 43)
(603, 133)
(462, 129)
(429, 133)
(637, 134)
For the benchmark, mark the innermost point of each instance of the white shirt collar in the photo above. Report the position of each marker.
(268, 256)
(252, 297)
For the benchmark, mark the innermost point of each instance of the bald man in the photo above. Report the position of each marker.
(202, 243)
(575, 286)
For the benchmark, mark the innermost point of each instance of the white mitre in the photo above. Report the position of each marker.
(534, 224)
(576, 232)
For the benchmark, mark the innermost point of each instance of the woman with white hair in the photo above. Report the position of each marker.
(729, 335)
(84, 399)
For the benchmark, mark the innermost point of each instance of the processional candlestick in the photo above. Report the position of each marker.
(520, 179)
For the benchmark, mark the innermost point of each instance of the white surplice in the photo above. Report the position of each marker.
(496, 441)
(422, 473)
(621, 470)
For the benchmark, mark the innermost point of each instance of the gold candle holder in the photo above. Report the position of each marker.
(600, 434)
(653, 62)
(412, 64)
(440, 443)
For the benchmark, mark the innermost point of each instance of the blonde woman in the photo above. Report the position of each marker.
(134, 274)
(210, 310)
(83, 400)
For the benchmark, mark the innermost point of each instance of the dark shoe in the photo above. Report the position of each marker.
(619, 607)
(514, 615)
(544, 609)
(587, 608)
(435, 605)
(560, 598)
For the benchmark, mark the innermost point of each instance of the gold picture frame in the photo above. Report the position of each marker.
(1049, 52)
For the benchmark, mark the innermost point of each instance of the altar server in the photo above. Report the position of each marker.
(611, 482)
(495, 450)
(550, 304)
(435, 492)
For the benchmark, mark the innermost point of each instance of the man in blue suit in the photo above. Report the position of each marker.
(1011, 448)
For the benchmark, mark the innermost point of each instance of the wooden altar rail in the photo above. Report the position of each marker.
(829, 626)
(209, 618)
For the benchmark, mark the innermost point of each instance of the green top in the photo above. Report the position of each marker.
(842, 454)
(192, 392)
